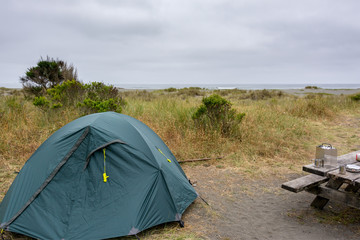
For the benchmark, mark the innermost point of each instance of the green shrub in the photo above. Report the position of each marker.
(99, 90)
(262, 94)
(215, 113)
(68, 93)
(171, 89)
(311, 87)
(100, 97)
(191, 92)
(355, 97)
(40, 101)
(93, 106)
(56, 105)
(90, 98)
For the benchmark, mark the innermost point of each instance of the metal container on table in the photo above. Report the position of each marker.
(328, 153)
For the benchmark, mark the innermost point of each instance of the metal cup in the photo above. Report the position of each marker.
(342, 169)
(317, 162)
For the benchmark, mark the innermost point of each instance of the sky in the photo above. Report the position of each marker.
(185, 41)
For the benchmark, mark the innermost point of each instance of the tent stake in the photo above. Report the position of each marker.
(199, 159)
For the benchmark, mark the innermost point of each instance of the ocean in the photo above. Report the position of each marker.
(237, 86)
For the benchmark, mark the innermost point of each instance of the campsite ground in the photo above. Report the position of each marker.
(248, 205)
(244, 208)
(243, 190)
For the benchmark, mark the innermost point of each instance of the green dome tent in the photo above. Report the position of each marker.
(101, 176)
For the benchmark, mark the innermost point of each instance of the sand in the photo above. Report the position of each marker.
(246, 209)
(304, 92)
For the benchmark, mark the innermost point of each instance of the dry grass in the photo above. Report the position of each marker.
(279, 133)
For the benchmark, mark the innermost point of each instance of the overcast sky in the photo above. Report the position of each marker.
(185, 41)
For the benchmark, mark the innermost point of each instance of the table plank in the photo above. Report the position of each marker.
(348, 177)
(347, 158)
(321, 171)
(300, 184)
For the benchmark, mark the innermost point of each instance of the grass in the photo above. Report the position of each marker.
(278, 134)
(274, 130)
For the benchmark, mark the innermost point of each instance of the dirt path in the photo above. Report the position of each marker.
(245, 209)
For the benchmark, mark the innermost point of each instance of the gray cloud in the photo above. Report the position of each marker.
(190, 41)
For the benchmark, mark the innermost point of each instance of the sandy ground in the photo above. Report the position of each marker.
(245, 209)
(303, 92)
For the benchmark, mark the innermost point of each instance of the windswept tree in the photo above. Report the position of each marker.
(47, 74)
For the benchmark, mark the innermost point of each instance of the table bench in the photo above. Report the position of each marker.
(328, 184)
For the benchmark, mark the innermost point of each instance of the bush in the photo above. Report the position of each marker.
(93, 106)
(262, 94)
(90, 98)
(171, 89)
(99, 90)
(40, 101)
(191, 92)
(68, 93)
(311, 87)
(100, 97)
(355, 97)
(215, 113)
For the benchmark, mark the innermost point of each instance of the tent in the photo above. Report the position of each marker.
(101, 176)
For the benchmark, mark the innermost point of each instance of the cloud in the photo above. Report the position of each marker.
(122, 41)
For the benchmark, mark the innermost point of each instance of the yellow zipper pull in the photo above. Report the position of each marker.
(105, 177)
(164, 155)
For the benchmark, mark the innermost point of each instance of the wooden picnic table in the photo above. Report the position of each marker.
(328, 184)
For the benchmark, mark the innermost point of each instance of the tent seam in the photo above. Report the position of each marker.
(168, 189)
(49, 178)
(145, 137)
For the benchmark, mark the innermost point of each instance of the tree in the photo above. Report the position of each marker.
(47, 74)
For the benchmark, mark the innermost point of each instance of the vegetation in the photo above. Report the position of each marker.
(89, 98)
(278, 134)
(215, 113)
(356, 97)
(311, 87)
(47, 74)
(262, 94)
(274, 130)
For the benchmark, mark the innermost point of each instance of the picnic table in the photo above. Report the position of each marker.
(327, 183)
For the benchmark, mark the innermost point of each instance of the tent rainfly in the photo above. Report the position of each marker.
(101, 176)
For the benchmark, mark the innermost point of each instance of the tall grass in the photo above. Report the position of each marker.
(276, 133)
